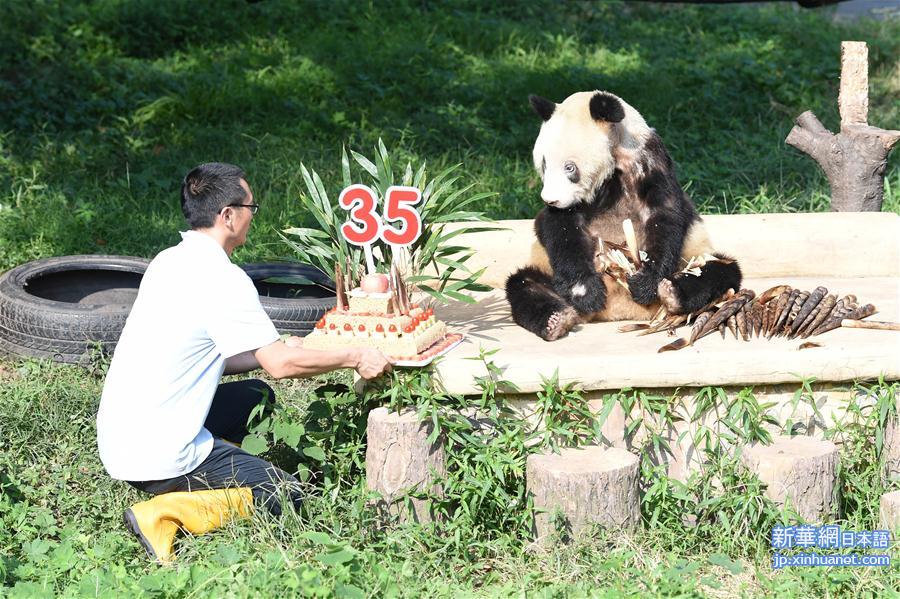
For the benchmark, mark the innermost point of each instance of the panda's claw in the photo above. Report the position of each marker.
(560, 323)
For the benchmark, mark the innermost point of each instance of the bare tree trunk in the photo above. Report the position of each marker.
(589, 485)
(802, 470)
(854, 160)
(399, 459)
(889, 511)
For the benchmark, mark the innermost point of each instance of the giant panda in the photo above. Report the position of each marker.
(600, 163)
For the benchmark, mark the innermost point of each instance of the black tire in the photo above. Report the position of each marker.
(50, 309)
(293, 308)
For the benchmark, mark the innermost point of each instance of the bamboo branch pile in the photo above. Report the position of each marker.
(778, 312)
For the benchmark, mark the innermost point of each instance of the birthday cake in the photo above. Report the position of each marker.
(378, 314)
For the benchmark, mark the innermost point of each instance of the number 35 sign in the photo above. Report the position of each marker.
(366, 225)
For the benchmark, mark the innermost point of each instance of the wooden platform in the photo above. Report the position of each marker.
(855, 253)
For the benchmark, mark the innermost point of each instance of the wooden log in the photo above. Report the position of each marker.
(890, 453)
(588, 485)
(889, 511)
(400, 459)
(854, 160)
(870, 324)
(800, 470)
(853, 97)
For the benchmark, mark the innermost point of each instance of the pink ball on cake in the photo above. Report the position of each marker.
(374, 283)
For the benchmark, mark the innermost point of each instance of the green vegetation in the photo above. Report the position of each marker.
(104, 105)
(61, 532)
(439, 203)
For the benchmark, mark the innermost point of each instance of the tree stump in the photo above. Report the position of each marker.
(891, 449)
(854, 160)
(801, 470)
(889, 511)
(399, 459)
(588, 485)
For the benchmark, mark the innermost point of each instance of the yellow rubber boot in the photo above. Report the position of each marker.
(155, 532)
(155, 522)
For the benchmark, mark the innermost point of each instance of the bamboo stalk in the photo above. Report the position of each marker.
(870, 324)
(340, 291)
(631, 241)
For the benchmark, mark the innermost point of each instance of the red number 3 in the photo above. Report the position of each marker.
(399, 208)
(360, 200)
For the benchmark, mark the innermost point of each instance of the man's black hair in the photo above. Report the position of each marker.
(207, 189)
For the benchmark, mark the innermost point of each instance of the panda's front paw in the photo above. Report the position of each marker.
(643, 286)
(587, 295)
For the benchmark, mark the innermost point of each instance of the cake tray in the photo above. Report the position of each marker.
(443, 346)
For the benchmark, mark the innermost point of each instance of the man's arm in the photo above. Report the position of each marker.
(241, 363)
(246, 361)
(282, 361)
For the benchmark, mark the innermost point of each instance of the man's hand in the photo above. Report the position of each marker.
(294, 341)
(371, 363)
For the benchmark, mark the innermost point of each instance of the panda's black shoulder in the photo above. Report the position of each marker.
(657, 184)
(654, 154)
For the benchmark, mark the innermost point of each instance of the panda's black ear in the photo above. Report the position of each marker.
(606, 107)
(542, 106)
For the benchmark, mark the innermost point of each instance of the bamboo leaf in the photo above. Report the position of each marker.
(419, 179)
(303, 232)
(408, 174)
(455, 265)
(385, 171)
(457, 216)
(365, 163)
(459, 296)
(345, 168)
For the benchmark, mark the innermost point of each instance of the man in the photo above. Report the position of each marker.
(165, 424)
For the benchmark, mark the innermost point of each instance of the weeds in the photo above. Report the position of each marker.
(325, 245)
(60, 516)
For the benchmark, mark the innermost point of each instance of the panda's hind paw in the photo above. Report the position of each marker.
(559, 324)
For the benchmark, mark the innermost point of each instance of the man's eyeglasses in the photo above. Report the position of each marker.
(254, 208)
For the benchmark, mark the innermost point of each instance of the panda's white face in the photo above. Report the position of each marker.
(576, 153)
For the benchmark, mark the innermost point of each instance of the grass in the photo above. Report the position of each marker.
(61, 531)
(105, 105)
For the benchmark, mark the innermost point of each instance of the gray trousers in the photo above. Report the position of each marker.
(228, 466)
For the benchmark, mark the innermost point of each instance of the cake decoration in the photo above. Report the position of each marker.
(374, 309)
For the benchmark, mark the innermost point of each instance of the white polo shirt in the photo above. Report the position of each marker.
(194, 309)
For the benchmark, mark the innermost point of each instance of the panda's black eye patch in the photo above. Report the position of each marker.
(572, 172)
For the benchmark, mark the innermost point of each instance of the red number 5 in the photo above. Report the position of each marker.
(398, 207)
(360, 200)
